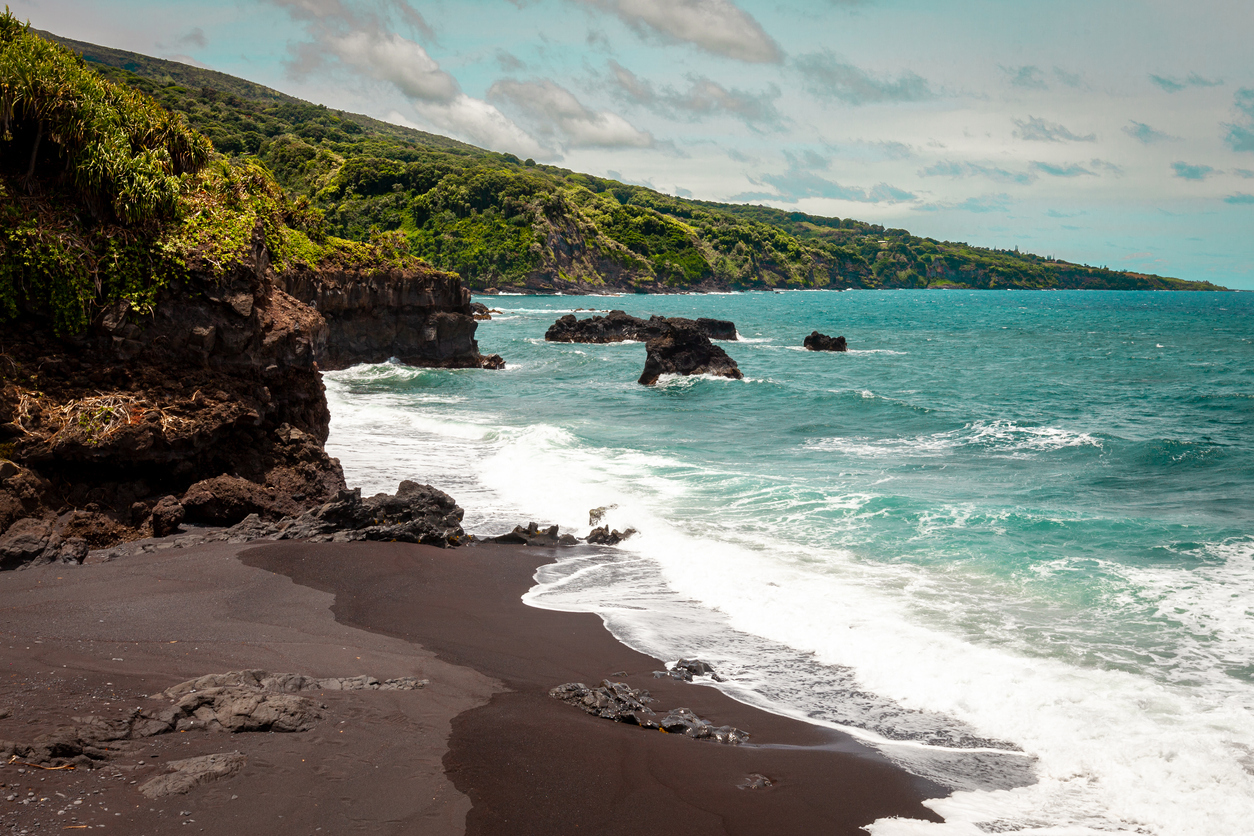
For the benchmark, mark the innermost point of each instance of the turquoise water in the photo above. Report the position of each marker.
(1008, 538)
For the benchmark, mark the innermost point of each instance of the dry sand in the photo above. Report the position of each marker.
(482, 749)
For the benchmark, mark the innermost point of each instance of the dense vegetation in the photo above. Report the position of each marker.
(105, 195)
(504, 222)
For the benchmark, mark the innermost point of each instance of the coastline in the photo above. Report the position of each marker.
(482, 749)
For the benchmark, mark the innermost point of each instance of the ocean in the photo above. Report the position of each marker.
(1007, 539)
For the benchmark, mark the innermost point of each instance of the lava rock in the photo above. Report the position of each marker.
(533, 535)
(185, 774)
(619, 326)
(603, 536)
(615, 701)
(822, 342)
(167, 516)
(414, 514)
(686, 351)
(225, 500)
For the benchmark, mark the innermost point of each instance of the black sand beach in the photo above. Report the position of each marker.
(481, 749)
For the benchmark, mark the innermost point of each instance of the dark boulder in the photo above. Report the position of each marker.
(225, 500)
(615, 701)
(480, 311)
(414, 514)
(686, 351)
(686, 669)
(603, 536)
(618, 326)
(493, 361)
(621, 703)
(822, 342)
(167, 516)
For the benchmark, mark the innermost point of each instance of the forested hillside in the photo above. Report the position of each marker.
(508, 223)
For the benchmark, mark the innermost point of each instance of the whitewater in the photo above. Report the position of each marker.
(1007, 539)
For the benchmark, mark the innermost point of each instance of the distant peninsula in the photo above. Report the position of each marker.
(515, 225)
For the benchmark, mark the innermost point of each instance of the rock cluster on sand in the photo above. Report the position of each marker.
(621, 703)
(822, 342)
(685, 351)
(235, 702)
(619, 326)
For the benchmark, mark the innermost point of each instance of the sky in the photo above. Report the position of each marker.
(1105, 132)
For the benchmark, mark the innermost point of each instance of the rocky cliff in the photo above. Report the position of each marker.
(207, 409)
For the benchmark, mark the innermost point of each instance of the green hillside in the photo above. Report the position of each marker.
(509, 223)
(106, 196)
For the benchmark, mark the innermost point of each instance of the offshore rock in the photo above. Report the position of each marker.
(618, 326)
(686, 351)
(822, 342)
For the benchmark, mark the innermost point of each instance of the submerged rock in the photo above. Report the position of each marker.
(686, 669)
(619, 326)
(686, 351)
(822, 342)
(603, 536)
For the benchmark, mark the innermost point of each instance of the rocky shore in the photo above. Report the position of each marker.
(206, 409)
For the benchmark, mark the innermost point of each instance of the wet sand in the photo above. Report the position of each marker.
(482, 749)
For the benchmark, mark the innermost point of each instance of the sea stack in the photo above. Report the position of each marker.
(822, 342)
(685, 351)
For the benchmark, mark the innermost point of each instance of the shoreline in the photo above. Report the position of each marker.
(482, 747)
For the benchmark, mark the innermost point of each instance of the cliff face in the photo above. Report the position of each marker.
(421, 317)
(212, 404)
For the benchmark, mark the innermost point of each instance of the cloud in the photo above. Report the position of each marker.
(1241, 137)
(398, 60)
(796, 184)
(554, 111)
(1243, 101)
(828, 77)
(1073, 80)
(1038, 130)
(704, 97)
(807, 159)
(508, 62)
(194, 37)
(958, 170)
(1144, 134)
(983, 204)
(1243, 173)
(1175, 85)
(362, 40)
(1074, 170)
(1192, 172)
(1240, 199)
(1054, 213)
(716, 26)
(1030, 77)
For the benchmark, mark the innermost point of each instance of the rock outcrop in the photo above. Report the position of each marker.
(618, 326)
(206, 409)
(420, 317)
(685, 351)
(822, 342)
(621, 703)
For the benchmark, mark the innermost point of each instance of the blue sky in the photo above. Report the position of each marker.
(1115, 132)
